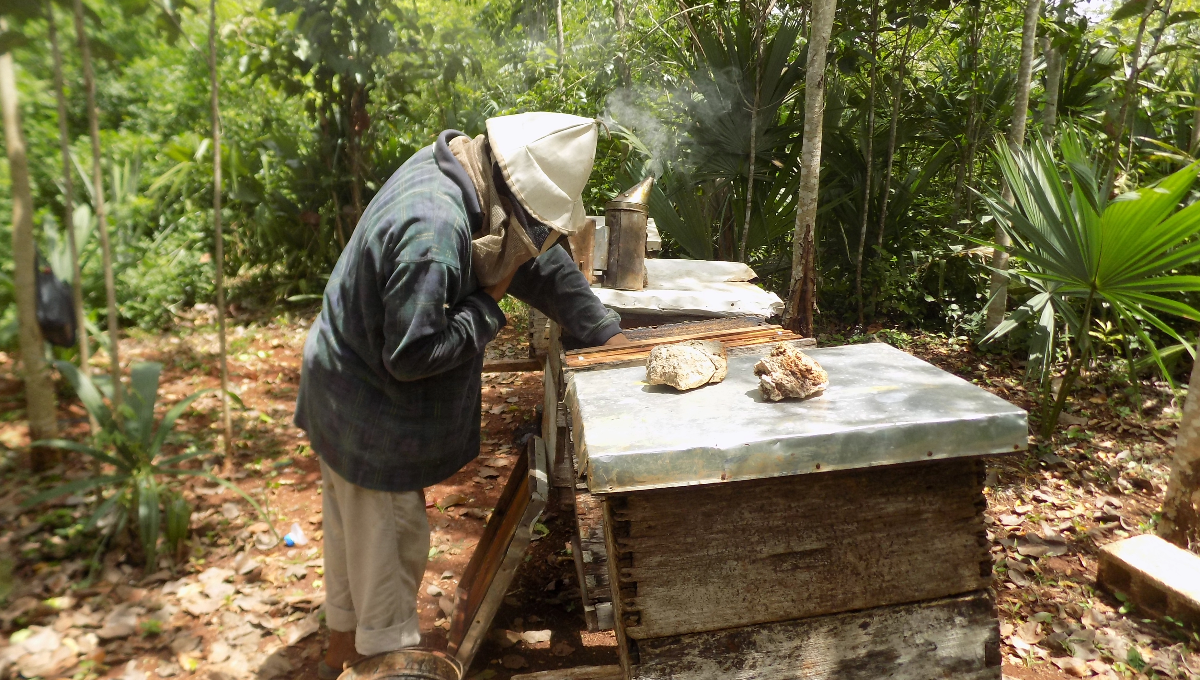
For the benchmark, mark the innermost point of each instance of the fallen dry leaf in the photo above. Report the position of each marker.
(451, 500)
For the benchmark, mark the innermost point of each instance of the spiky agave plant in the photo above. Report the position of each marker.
(137, 481)
(1077, 250)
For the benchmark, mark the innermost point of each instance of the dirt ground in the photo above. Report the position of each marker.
(243, 604)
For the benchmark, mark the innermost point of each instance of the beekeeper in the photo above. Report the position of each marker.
(390, 386)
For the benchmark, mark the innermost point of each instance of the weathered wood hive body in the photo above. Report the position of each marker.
(838, 537)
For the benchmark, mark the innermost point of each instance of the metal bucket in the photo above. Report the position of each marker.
(405, 664)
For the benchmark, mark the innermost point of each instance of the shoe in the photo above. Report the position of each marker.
(327, 672)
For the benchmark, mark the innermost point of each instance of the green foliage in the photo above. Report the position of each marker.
(139, 483)
(322, 100)
(1080, 252)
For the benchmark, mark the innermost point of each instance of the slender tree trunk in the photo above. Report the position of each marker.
(891, 149)
(802, 291)
(1054, 75)
(64, 142)
(759, 37)
(110, 288)
(39, 389)
(619, 20)
(750, 173)
(1131, 79)
(1016, 139)
(1196, 115)
(219, 238)
(967, 153)
(561, 38)
(1180, 523)
(868, 162)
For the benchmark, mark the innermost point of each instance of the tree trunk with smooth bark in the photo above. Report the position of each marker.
(1180, 523)
(40, 403)
(967, 151)
(219, 237)
(110, 288)
(891, 149)
(798, 316)
(1131, 80)
(622, 65)
(998, 298)
(868, 162)
(759, 37)
(1196, 116)
(64, 143)
(1054, 75)
(561, 38)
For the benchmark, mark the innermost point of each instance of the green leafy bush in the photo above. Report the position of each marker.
(138, 483)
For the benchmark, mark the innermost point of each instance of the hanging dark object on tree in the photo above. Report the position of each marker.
(55, 306)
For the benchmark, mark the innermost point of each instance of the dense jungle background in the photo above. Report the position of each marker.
(1006, 189)
(321, 101)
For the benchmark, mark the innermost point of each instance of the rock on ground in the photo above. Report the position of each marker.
(687, 365)
(789, 373)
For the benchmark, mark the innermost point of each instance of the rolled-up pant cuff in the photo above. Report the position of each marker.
(406, 634)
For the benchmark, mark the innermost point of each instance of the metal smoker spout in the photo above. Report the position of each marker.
(638, 193)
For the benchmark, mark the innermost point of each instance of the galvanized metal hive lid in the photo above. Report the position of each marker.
(882, 407)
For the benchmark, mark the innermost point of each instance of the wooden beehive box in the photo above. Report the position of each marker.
(591, 556)
(841, 535)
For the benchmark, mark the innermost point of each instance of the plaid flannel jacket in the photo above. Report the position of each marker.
(390, 384)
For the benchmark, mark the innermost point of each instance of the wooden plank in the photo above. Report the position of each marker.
(625, 590)
(731, 350)
(554, 354)
(512, 365)
(591, 561)
(642, 351)
(580, 673)
(583, 245)
(539, 331)
(593, 555)
(1161, 578)
(550, 401)
(618, 357)
(666, 330)
(948, 638)
(690, 559)
(498, 553)
(638, 345)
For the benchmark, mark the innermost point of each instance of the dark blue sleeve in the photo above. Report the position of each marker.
(423, 334)
(553, 284)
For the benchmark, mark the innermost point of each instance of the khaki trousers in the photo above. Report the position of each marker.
(376, 547)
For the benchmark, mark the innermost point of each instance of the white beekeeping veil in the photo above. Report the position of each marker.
(546, 159)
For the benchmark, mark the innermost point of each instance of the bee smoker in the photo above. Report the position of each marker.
(626, 217)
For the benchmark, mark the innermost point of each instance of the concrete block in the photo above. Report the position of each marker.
(1159, 577)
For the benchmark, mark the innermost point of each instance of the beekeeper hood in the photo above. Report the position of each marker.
(529, 172)
(546, 159)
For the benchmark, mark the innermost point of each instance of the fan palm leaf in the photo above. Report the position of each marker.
(1079, 250)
